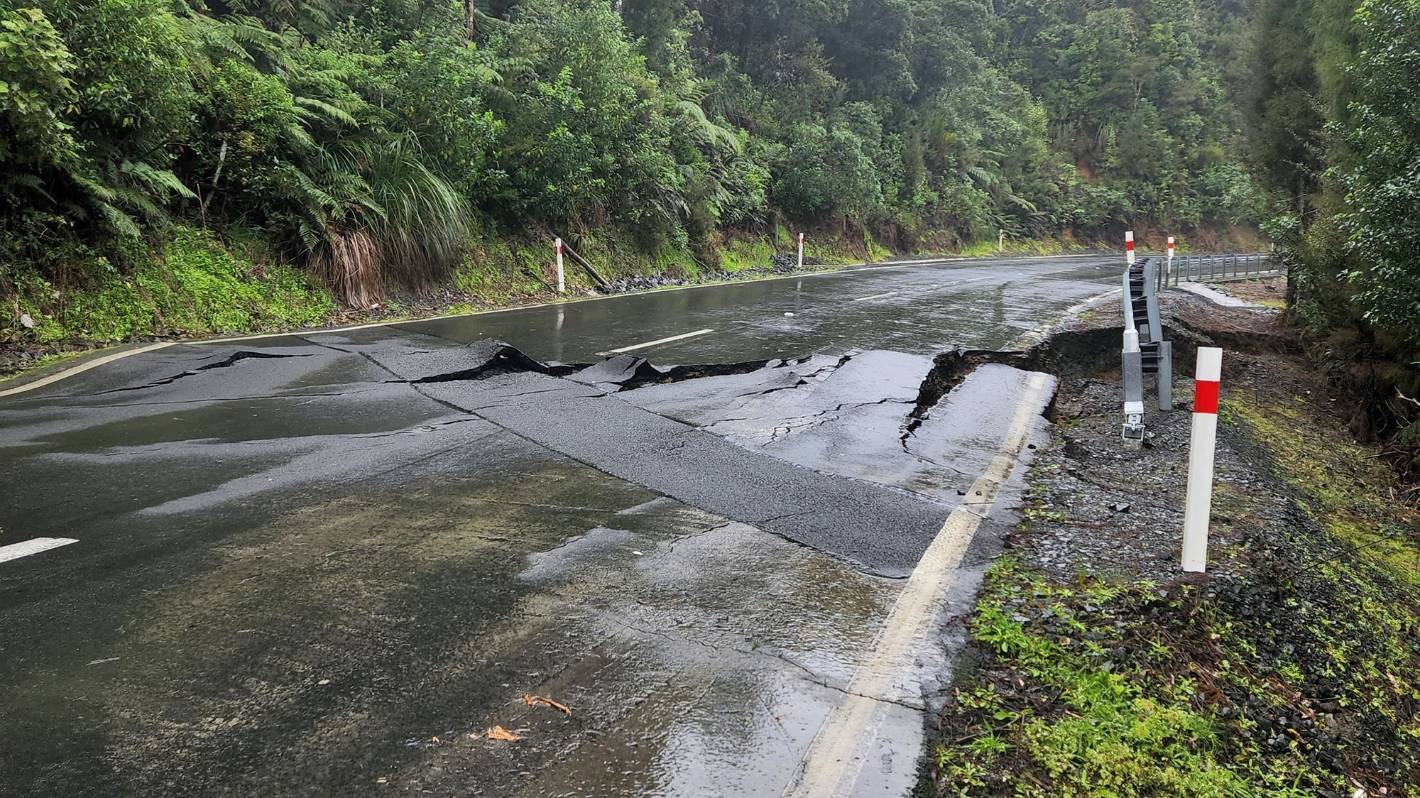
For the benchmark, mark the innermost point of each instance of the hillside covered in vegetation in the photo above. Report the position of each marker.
(161, 156)
(1334, 132)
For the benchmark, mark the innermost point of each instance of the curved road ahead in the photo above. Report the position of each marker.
(330, 563)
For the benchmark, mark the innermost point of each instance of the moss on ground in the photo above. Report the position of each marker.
(1345, 487)
(744, 254)
(1097, 689)
(1031, 246)
(39, 364)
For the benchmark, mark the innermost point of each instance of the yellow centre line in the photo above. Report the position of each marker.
(831, 764)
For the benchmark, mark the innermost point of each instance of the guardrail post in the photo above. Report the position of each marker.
(1132, 369)
(1164, 368)
(1165, 375)
(1156, 327)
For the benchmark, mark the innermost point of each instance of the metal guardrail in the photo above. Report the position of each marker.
(1218, 268)
(1145, 350)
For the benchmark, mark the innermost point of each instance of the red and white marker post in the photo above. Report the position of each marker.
(801, 250)
(1168, 268)
(1198, 506)
(1129, 246)
(561, 276)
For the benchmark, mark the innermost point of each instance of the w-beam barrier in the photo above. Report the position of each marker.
(1145, 350)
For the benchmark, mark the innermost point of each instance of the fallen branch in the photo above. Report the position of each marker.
(587, 267)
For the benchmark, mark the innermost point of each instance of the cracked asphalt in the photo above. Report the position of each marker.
(327, 564)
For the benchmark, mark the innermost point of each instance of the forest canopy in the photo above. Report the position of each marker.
(366, 141)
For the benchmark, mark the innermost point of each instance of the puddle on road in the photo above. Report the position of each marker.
(714, 653)
(298, 648)
(852, 419)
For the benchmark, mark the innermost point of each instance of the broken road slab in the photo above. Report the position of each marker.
(881, 529)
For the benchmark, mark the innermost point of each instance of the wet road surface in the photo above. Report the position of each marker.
(329, 563)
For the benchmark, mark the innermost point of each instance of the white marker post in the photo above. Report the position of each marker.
(1198, 506)
(1129, 246)
(801, 250)
(1168, 268)
(1000, 242)
(561, 276)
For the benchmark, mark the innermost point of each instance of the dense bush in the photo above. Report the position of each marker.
(367, 141)
(1345, 166)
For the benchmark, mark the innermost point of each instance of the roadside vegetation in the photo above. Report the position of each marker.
(1288, 670)
(1335, 132)
(385, 152)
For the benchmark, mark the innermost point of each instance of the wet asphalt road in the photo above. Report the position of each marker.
(919, 309)
(300, 570)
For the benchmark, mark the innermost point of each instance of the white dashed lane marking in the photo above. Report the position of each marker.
(15, 551)
(658, 342)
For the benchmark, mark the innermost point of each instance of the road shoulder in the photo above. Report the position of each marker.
(1288, 670)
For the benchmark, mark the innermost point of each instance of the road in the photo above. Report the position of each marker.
(330, 563)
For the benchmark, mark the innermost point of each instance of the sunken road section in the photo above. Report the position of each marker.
(881, 529)
(876, 501)
(860, 456)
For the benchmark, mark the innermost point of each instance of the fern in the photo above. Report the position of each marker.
(160, 182)
(329, 110)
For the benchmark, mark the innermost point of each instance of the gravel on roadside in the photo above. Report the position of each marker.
(1291, 669)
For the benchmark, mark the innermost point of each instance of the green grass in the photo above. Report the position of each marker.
(1030, 246)
(194, 287)
(1109, 732)
(1347, 488)
(1091, 688)
(742, 254)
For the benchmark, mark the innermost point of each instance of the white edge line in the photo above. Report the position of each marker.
(831, 763)
(877, 296)
(660, 341)
(83, 367)
(1031, 337)
(15, 551)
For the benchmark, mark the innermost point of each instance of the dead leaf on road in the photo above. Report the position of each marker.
(537, 700)
(500, 733)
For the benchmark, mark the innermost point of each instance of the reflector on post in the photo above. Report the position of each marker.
(1198, 506)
